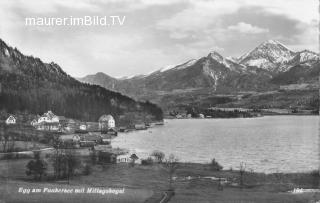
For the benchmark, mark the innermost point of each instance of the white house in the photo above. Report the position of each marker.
(127, 158)
(124, 158)
(106, 122)
(11, 120)
(49, 122)
(48, 117)
(83, 127)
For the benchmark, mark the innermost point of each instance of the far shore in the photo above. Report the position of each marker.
(266, 114)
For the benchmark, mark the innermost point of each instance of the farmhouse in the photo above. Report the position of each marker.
(48, 117)
(106, 122)
(49, 122)
(48, 126)
(11, 120)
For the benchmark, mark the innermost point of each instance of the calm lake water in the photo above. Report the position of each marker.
(265, 144)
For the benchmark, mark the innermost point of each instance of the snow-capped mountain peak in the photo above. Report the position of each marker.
(307, 55)
(216, 56)
(219, 58)
(268, 55)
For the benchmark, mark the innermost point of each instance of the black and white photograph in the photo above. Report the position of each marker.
(159, 101)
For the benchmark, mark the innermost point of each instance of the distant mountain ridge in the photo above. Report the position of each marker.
(214, 71)
(262, 69)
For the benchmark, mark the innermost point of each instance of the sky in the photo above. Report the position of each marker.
(155, 33)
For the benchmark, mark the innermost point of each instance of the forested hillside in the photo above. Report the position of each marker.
(28, 84)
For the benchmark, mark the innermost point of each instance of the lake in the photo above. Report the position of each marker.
(266, 144)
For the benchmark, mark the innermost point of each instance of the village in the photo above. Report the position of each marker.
(84, 138)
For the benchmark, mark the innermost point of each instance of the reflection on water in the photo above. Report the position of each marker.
(265, 144)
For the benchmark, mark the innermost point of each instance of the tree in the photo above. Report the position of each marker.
(158, 155)
(242, 171)
(7, 139)
(36, 167)
(215, 165)
(71, 163)
(171, 166)
(133, 158)
(64, 163)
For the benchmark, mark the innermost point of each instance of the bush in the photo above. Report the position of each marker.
(36, 167)
(148, 161)
(86, 169)
(215, 165)
(315, 173)
(158, 155)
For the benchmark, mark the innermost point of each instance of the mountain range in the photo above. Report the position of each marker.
(269, 69)
(31, 86)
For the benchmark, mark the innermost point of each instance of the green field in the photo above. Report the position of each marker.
(147, 183)
(26, 146)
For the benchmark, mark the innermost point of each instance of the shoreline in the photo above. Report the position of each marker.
(271, 114)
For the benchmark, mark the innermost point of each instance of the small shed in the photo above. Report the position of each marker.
(83, 127)
(11, 120)
(34, 122)
(140, 126)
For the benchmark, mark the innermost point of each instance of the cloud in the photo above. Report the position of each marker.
(199, 15)
(204, 14)
(307, 38)
(246, 28)
(156, 32)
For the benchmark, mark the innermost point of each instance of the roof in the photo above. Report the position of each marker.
(87, 137)
(71, 121)
(68, 137)
(49, 114)
(11, 117)
(106, 118)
